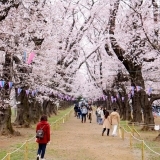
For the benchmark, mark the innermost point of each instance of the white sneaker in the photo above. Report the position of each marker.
(38, 157)
(114, 135)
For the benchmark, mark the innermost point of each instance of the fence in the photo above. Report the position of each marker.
(24, 153)
(143, 144)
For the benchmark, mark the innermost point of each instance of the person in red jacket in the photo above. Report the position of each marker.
(42, 143)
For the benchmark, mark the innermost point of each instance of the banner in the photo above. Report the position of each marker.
(27, 92)
(2, 83)
(24, 57)
(30, 58)
(33, 93)
(19, 90)
(10, 84)
(138, 88)
(149, 91)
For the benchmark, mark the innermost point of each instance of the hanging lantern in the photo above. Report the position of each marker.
(2, 84)
(149, 91)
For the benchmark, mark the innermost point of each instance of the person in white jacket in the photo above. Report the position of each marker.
(115, 120)
(84, 113)
(100, 115)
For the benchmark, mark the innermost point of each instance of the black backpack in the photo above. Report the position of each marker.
(40, 133)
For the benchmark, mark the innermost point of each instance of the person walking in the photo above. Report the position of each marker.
(78, 113)
(84, 113)
(100, 116)
(76, 109)
(106, 123)
(115, 120)
(42, 142)
(90, 111)
(104, 110)
(96, 113)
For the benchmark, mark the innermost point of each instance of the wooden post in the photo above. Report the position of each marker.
(133, 129)
(9, 156)
(142, 150)
(122, 133)
(130, 139)
(26, 151)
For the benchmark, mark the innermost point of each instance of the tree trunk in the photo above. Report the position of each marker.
(128, 110)
(44, 106)
(136, 106)
(147, 111)
(5, 109)
(5, 120)
(35, 110)
(23, 115)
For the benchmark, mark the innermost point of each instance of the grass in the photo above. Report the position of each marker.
(31, 145)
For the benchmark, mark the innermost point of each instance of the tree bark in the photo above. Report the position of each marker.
(5, 109)
(23, 115)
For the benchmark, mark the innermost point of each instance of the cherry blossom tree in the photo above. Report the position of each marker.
(132, 55)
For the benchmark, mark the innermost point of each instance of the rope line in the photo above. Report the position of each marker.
(14, 150)
(151, 149)
(140, 140)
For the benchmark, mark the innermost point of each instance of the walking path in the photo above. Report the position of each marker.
(83, 141)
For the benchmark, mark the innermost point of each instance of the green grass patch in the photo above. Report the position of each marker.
(2, 154)
(60, 114)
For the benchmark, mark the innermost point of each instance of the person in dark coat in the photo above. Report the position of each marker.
(75, 109)
(42, 142)
(79, 113)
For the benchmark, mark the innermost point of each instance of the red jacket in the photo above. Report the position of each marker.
(46, 128)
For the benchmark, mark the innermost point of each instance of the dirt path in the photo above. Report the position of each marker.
(83, 141)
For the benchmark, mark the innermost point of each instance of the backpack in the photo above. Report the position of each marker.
(40, 133)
